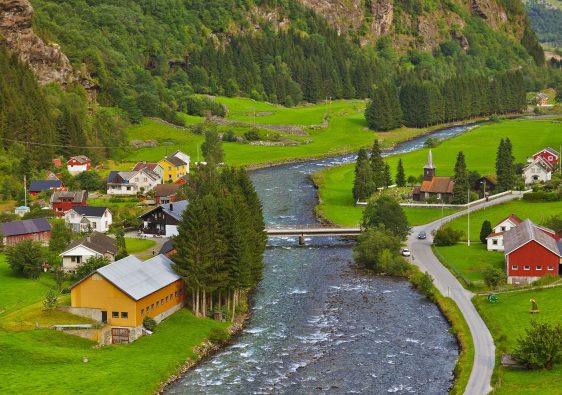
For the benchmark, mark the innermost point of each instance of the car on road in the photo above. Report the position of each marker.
(406, 252)
(422, 235)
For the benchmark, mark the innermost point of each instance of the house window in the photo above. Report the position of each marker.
(527, 267)
(114, 314)
(166, 299)
(550, 268)
(495, 242)
(162, 301)
(169, 168)
(145, 179)
(76, 259)
(503, 228)
(157, 304)
(513, 267)
(59, 209)
(152, 307)
(142, 312)
(93, 225)
(124, 314)
(550, 158)
(169, 176)
(171, 296)
(128, 188)
(539, 267)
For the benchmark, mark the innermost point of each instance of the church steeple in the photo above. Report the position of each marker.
(429, 168)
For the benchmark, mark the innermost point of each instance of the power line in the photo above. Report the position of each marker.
(63, 145)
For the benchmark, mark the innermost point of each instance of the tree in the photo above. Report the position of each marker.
(541, 346)
(51, 299)
(212, 148)
(400, 176)
(25, 258)
(505, 169)
(493, 277)
(372, 244)
(387, 212)
(121, 244)
(89, 180)
(447, 236)
(363, 183)
(461, 187)
(377, 165)
(61, 235)
(412, 180)
(387, 176)
(91, 265)
(485, 231)
(555, 223)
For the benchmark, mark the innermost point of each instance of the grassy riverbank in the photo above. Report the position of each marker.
(507, 320)
(44, 360)
(479, 145)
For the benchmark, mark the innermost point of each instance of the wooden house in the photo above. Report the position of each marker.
(78, 164)
(93, 245)
(163, 220)
(38, 229)
(165, 193)
(62, 201)
(549, 154)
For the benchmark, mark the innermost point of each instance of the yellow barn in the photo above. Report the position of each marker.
(123, 293)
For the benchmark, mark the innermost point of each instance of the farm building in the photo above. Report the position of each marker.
(531, 252)
(38, 229)
(79, 251)
(124, 292)
(38, 186)
(62, 201)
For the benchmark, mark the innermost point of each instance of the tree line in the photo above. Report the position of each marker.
(424, 103)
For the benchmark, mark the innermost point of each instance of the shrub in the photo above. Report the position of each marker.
(541, 347)
(447, 236)
(252, 135)
(218, 335)
(51, 299)
(229, 136)
(149, 323)
(541, 196)
(424, 283)
(494, 277)
(485, 231)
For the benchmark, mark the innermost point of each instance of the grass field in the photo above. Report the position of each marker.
(135, 245)
(46, 361)
(470, 263)
(536, 211)
(479, 146)
(508, 320)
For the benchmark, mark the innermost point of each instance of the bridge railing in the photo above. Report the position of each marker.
(306, 226)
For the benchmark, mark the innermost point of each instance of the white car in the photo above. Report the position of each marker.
(406, 252)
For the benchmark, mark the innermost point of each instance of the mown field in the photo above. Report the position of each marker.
(507, 320)
(346, 131)
(479, 146)
(46, 361)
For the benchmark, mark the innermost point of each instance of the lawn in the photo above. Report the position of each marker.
(135, 245)
(337, 204)
(470, 263)
(508, 320)
(536, 211)
(47, 361)
(114, 202)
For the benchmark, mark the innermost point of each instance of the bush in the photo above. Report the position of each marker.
(252, 135)
(424, 283)
(541, 196)
(218, 335)
(541, 347)
(447, 237)
(494, 277)
(149, 323)
(229, 136)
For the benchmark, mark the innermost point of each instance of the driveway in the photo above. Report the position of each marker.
(423, 257)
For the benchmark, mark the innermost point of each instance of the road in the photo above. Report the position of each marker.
(484, 349)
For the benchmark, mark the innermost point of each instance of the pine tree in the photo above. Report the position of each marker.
(400, 176)
(461, 187)
(363, 184)
(212, 148)
(377, 165)
(485, 231)
(505, 169)
(121, 245)
(387, 176)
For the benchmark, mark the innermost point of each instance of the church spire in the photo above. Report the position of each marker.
(429, 164)
(429, 168)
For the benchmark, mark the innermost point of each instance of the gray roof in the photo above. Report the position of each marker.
(76, 196)
(124, 177)
(25, 227)
(79, 158)
(44, 185)
(539, 162)
(175, 209)
(175, 161)
(137, 278)
(90, 211)
(97, 242)
(525, 232)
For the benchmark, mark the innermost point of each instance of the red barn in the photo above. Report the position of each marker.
(549, 155)
(78, 164)
(38, 229)
(530, 253)
(61, 202)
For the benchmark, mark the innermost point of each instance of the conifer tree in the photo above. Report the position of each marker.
(461, 187)
(400, 175)
(377, 165)
(387, 176)
(212, 148)
(363, 184)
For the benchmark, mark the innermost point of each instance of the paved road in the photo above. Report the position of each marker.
(484, 356)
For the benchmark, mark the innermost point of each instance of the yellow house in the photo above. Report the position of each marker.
(174, 168)
(124, 292)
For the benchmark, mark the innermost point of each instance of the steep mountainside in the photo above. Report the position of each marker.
(149, 56)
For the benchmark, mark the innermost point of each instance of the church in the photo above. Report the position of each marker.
(434, 187)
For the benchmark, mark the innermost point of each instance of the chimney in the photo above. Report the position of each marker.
(171, 207)
(89, 239)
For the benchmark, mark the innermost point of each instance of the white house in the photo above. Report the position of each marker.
(183, 156)
(155, 167)
(163, 220)
(494, 241)
(79, 251)
(89, 218)
(78, 164)
(536, 171)
(132, 182)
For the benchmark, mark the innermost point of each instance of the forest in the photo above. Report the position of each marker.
(545, 20)
(149, 57)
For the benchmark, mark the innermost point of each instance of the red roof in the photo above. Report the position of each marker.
(513, 218)
(145, 165)
(162, 190)
(438, 185)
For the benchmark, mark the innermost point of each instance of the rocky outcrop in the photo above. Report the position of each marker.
(383, 16)
(46, 60)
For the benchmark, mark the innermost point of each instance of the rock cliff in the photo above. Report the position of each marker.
(45, 59)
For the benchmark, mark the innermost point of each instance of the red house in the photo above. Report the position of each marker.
(530, 253)
(38, 229)
(62, 201)
(165, 193)
(549, 155)
(78, 164)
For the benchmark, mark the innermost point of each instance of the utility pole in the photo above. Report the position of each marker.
(25, 190)
(468, 234)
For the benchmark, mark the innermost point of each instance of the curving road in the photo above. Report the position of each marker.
(484, 349)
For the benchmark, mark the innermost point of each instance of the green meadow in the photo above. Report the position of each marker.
(507, 320)
(479, 146)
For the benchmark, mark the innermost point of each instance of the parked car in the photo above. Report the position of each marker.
(406, 252)
(422, 235)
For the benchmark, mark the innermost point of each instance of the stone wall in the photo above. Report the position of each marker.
(93, 314)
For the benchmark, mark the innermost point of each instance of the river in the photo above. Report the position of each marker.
(320, 326)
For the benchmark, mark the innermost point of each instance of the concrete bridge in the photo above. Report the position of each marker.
(301, 231)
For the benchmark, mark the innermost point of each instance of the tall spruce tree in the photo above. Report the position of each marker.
(387, 176)
(377, 165)
(505, 169)
(212, 148)
(400, 175)
(461, 187)
(363, 184)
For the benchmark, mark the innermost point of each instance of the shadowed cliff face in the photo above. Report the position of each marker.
(46, 60)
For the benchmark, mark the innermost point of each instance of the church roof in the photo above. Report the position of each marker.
(438, 185)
